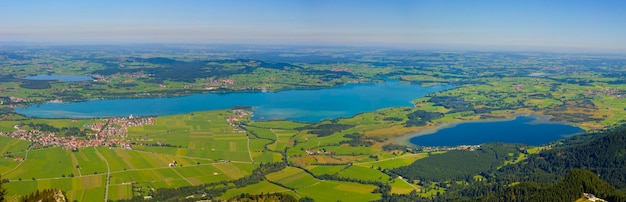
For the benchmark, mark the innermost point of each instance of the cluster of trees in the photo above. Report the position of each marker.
(322, 130)
(569, 188)
(188, 71)
(44, 195)
(39, 195)
(69, 95)
(36, 84)
(458, 165)
(421, 118)
(560, 112)
(392, 147)
(3, 191)
(453, 103)
(168, 69)
(357, 140)
(264, 197)
(65, 131)
(605, 156)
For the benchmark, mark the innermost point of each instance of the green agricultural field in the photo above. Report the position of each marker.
(278, 124)
(120, 159)
(364, 173)
(324, 170)
(7, 126)
(586, 91)
(158, 178)
(12, 146)
(258, 188)
(330, 190)
(342, 150)
(85, 188)
(292, 177)
(268, 157)
(258, 145)
(235, 170)
(395, 162)
(7, 164)
(199, 134)
(60, 123)
(284, 139)
(399, 186)
(120, 191)
(88, 162)
(51, 162)
(307, 186)
(81, 174)
(264, 133)
(199, 174)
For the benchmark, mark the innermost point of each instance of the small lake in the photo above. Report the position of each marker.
(295, 105)
(523, 129)
(65, 78)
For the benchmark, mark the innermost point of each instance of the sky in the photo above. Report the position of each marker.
(488, 24)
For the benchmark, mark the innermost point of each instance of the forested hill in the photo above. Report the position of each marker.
(458, 165)
(589, 163)
(571, 188)
(605, 156)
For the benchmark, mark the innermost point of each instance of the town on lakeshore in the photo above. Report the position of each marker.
(107, 132)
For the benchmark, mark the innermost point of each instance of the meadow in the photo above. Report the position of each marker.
(81, 174)
(203, 135)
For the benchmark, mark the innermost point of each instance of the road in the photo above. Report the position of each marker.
(106, 186)
(18, 165)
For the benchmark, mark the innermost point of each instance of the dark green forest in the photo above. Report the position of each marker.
(588, 163)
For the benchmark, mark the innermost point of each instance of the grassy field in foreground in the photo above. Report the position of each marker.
(330, 190)
(82, 174)
(291, 177)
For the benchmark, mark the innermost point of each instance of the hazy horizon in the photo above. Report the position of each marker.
(560, 26)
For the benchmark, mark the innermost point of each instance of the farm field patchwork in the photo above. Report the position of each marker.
(341, 158)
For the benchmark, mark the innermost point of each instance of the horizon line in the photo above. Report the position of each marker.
(416, 47)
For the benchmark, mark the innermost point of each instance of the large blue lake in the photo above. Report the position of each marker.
(296, 105)
(525, 130)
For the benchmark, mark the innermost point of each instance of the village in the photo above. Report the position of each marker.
(105, 129)
(608, 92)
(409, 149)
(108, 132)
(448, 148)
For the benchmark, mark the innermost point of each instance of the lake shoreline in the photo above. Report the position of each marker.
(308, 105)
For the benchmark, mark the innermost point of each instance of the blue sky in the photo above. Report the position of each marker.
(532, 25)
